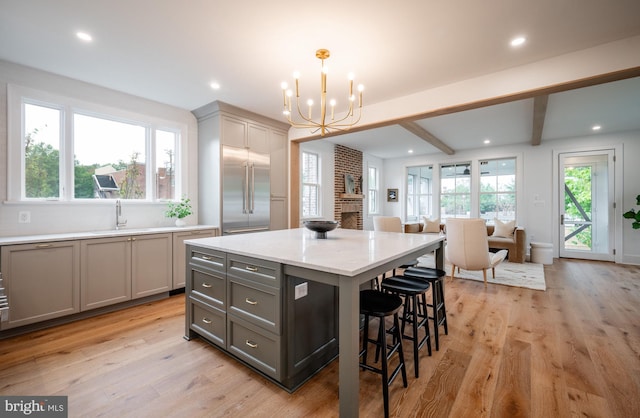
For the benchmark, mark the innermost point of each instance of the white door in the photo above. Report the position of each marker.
(587, 228)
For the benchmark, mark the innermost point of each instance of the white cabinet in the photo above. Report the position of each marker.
(118, 269)
(42, 281)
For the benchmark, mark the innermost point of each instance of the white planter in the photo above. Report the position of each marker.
(180, 222)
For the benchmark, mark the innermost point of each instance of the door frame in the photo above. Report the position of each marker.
(616, 243)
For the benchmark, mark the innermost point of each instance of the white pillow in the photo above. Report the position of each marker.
(503, 229)
(430, 226)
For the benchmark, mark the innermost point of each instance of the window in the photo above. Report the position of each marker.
(455, 191)
(82, 151)
(373, 188)
(498, 189)
(42, 133)
(419, 192)
(310, 185)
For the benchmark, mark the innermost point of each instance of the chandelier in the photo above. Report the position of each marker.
(305, 120)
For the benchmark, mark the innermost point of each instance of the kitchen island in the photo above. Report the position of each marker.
(343, 261)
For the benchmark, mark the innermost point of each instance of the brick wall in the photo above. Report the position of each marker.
(348, 212)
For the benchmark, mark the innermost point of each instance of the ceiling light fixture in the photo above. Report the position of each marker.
(487, 141)
(306, 121)
(518, 41)
(83, 36)
(596, 127)
(214, 85)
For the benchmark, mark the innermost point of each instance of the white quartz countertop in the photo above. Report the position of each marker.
(29, 239)
(345, 251)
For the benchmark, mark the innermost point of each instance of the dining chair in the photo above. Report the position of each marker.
(391, 224)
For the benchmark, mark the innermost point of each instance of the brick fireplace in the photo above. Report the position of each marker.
(348, 209)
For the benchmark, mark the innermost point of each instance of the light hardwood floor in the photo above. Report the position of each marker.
(573, 350)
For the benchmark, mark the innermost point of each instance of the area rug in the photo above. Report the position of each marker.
(529, 275)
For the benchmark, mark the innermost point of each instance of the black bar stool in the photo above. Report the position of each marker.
(414, 312)
(380, 305)
(438, 306)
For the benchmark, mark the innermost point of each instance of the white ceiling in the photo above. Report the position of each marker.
(171, 50)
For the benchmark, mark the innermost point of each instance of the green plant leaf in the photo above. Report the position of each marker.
(636, 225)
(630, 214)
(638, 200)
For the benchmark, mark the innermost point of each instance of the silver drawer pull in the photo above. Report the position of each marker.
(206, 320)
(43, 245)
(251, 268)
(205, 257)
(250, 301)
(207, 285)
(251, 344)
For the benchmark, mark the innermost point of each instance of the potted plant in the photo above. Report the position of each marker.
(632, 214)
(179, 210)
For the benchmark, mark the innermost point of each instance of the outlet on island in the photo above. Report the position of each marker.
(24, 217)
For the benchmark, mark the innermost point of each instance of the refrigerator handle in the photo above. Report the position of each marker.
(245, 187)
(253, 188)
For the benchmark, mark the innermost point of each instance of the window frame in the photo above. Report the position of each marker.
(498, 193)
(416, 194)
(470, 166)
(373, 192)
(317, 186)
(69, 106)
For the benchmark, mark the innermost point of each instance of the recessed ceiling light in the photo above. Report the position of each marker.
(84, 36)
(214, 85)
(596, 127)
(518, 41)
(487, 141)
(410, 151)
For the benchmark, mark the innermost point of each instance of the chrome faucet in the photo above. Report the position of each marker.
(119, 223)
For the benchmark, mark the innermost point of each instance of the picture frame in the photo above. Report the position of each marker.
(349, 184)
(392, 195)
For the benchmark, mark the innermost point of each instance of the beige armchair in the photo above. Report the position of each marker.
(468, 247)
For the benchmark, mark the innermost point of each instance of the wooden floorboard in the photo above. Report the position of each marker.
(573, 350)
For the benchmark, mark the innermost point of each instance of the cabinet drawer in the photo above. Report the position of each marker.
(255, 346)
(208, 321)
(255, 303)
(207, 258)
(260, 271)
(209, 286)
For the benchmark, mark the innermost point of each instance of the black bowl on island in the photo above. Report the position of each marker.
(321, 227)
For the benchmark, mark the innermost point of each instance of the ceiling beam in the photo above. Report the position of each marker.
(427, 136)
(539, 114)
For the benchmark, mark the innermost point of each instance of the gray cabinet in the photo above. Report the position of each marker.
(179, 253)
(118, 269)
(151, 264)
(206, 295)
(248, 308)
(223, 125)
(279, 179)
(105, 272)
(42, 281)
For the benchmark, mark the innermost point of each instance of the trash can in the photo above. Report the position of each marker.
(542, 253)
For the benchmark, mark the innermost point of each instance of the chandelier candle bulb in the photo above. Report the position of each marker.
(322, 126)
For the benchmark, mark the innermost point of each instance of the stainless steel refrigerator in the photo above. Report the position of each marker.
(245, 191)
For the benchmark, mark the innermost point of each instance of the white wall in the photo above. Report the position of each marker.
(60, 217)
(537, 192)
